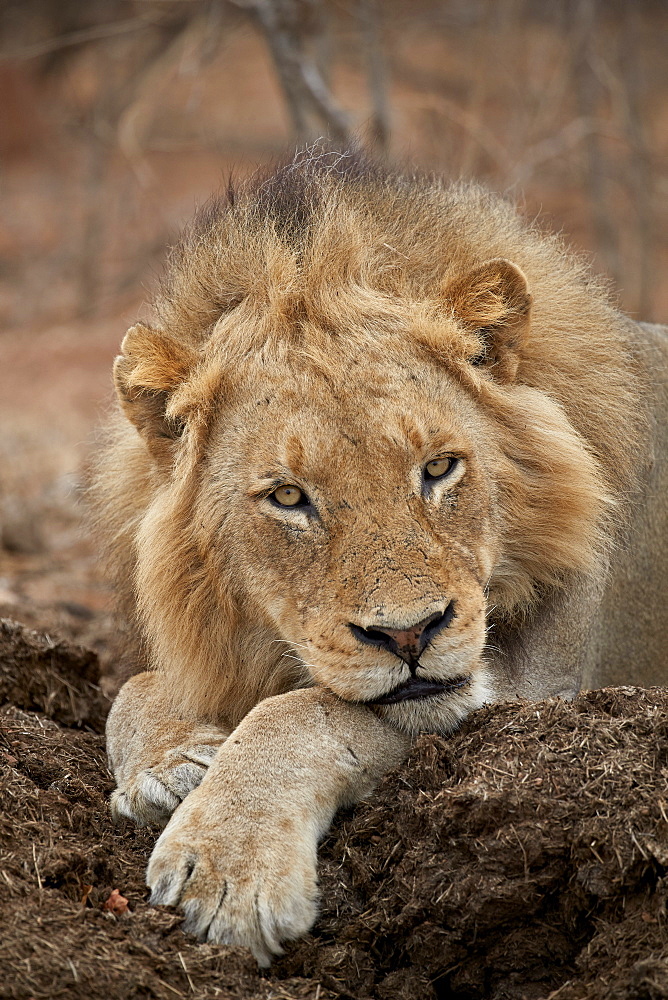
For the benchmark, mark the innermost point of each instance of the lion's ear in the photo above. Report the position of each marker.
(150, 367)
(494, 303)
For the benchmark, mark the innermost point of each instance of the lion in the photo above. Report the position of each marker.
(385, 453)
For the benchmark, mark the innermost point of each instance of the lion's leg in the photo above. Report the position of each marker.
(239, 856)
(156, 756)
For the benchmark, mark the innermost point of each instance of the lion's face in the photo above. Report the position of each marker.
(347, 509)
(361, 521)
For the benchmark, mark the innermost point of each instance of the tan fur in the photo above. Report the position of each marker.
(335, 328)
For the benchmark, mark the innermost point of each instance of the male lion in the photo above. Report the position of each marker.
(389, 453)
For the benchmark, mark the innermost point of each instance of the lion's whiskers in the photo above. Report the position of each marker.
(289, 642)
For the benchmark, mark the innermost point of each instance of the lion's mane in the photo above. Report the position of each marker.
(336, 248)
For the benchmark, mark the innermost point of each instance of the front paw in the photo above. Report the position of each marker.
(153, 793)
(240, 879)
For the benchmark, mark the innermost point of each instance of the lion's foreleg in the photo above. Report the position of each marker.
(157, 757)
(240, 854)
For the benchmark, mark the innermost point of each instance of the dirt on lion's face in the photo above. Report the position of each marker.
(364, 529)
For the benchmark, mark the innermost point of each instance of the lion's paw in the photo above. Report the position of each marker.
(235, 886)
(153, 793)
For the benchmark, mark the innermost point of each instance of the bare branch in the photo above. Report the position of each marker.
(323, 102)
(303, 85)
(72, 38)
(588, 100)
(133, 121)
(377, 72)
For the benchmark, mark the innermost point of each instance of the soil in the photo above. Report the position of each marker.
(525, 857)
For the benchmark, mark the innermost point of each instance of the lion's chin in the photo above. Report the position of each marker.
(432, 707)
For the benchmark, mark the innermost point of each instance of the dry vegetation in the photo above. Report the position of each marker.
(120, 115)
(527, 855)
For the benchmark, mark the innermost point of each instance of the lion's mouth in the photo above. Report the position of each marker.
(416, 688)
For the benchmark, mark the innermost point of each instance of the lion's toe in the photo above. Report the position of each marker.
(261, 914)
(154, 793)
(146, 803)
(180, 779)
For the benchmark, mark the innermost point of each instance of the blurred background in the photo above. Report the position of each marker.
(118, 117)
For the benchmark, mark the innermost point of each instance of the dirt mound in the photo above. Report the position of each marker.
(50, 676)
(525, 857)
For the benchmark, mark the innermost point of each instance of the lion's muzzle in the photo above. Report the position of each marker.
(407, 643)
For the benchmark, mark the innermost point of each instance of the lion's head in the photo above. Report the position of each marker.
(358, 445)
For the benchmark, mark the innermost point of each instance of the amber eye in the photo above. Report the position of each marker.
(439, 467)
(288, 496)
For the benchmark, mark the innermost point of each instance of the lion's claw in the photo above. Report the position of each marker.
(238, 885)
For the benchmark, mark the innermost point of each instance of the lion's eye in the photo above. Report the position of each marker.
(439, 468)
(288, 496)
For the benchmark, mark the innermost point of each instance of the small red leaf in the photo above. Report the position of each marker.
(116, 903)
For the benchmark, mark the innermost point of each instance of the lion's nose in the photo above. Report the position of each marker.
(406, 643)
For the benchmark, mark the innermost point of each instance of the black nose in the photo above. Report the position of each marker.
(406, 643)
